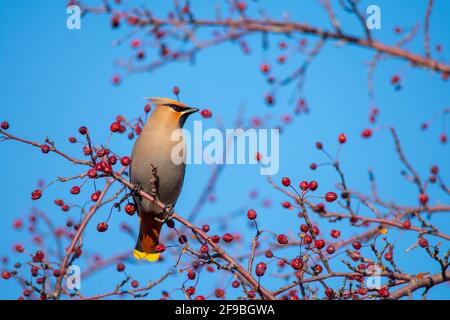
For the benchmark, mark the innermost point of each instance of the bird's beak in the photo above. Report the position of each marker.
(190, 110)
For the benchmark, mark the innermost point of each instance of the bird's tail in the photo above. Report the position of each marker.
(148, 239)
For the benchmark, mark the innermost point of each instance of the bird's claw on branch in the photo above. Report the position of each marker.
(136, 191)
(167, 214)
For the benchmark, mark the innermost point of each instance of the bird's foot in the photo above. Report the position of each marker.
(135, 192)
(167, 213)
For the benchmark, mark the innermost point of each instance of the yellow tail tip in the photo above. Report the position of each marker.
(152, 257)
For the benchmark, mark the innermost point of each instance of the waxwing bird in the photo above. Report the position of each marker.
(152, 153)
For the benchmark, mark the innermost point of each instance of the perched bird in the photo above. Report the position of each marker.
(152, 154)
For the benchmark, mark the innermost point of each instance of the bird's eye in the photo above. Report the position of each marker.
(176, 108)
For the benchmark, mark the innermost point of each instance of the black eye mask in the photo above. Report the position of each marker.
(175, 107)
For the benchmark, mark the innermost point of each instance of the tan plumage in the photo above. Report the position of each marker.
(154, 147)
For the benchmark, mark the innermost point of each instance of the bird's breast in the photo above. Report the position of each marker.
(158, 148)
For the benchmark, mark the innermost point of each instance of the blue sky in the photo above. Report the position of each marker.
(53, 80)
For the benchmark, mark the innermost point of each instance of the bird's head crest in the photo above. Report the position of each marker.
(166, 102)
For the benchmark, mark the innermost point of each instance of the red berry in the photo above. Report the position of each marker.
(286, 204)
(130, 209)
(363, 291)
(87, 151)
(331, 249)
(313, 185)
(356, 245)
(215, 239)
(36, 194)
(313, 166)
(125, 161)
(315, 230)
(423, 198)
(265, 68)
(304, 185)
(242, 6)
(18, 224)
(319, 145)
(57, 273)
(19, 248)
(388, 256)
(102, 227)
(366, 133)
(251, 214)
(115, 126)
(307, 239)
(92, 173)
(115, 21)
(160, 248)
(206, 113)
(6, 275)
(39, 256)
(190, 291)
(443, 138)
(204, 249)
(330, 196)
(329, 292)
(176, 90)
(107, 169)
(135, 43)
(227, 237)
(384, 292)
(205, 228)
(219, 293)
(5, 125)
(423, 242)
(319, 244)
(286, 181)
(83, 130)
(335, 233)
(134, 284)
(95, 196)
(269, 99)
(406, 224)
(75, 190)
(268, 254)
(281, 59)
(318, 269)
(304, 228)
(342, 138)
(72, 139)
(191, 275)
(200, 297)
(260, 269)
(395, 79)
(45, 148)
(120, 267)
(235, 284)
(297, 263)
(434, 170)
(282, 239)
(34, 270)
(116, 79)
